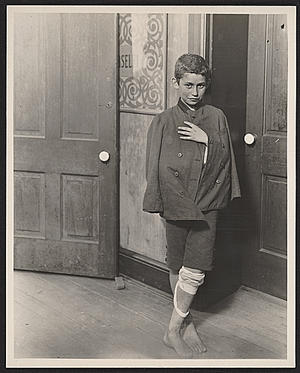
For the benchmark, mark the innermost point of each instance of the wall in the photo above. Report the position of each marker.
(141, 232)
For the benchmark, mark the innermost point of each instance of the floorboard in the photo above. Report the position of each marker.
(60, 316)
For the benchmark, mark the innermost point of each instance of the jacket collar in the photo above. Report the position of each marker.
(184, 107)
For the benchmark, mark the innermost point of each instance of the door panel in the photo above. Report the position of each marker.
(30, 73)
(30, 204)
(265, 258)
(274, 214)
(64, 115)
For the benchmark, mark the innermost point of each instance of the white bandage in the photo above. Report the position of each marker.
(189, 281)
(180, 313)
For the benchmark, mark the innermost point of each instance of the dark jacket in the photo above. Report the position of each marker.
(179, 185)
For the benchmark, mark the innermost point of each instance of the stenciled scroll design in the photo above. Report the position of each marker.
(125, 35)
(146, 90)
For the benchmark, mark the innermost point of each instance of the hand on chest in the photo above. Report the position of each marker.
(195, 138)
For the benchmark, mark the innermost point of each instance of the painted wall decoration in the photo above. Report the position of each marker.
(142, 42)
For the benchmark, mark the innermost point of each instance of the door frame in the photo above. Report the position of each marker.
(114, 217)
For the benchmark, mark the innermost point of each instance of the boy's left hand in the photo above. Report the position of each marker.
(192, 132)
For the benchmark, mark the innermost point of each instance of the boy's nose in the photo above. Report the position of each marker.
(195, 91)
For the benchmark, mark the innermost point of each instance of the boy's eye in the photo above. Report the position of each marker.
(201, 86)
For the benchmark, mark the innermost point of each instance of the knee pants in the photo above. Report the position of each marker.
(191, 243)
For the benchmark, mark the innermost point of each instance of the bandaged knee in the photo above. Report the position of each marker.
(188, 281)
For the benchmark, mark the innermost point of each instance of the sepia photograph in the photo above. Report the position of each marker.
(151, 186)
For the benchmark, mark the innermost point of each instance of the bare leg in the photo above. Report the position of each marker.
(190, 334)
(173, 336)
(173, 278)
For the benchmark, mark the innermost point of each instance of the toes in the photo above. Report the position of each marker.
(195, 349)
(202, 349)
(198, 347)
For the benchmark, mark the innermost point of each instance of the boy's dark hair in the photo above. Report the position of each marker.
(192, 63)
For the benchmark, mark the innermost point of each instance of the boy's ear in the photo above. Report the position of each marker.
(175, 83)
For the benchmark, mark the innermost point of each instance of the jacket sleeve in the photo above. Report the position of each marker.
(235, 185)
(152, 197)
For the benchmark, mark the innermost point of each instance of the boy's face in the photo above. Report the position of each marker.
(191, 88)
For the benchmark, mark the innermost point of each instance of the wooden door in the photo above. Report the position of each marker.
(227, 54)
(64, 116)
(265, 160)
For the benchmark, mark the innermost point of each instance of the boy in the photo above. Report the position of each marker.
(191, 174)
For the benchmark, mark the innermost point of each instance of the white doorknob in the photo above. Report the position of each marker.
(250, 138)
(104, 156)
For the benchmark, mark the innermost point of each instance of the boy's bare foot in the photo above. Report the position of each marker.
(192, 338)
(174, 340)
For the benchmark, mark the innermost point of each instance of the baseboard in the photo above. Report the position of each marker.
(144, 269)
(219, 283)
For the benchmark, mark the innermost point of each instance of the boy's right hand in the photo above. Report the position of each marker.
(192, 132)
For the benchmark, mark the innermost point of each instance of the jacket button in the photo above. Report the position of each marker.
(218, 181)
(176, 173)
(179, 155)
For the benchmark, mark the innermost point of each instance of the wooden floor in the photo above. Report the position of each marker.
(58, 316)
